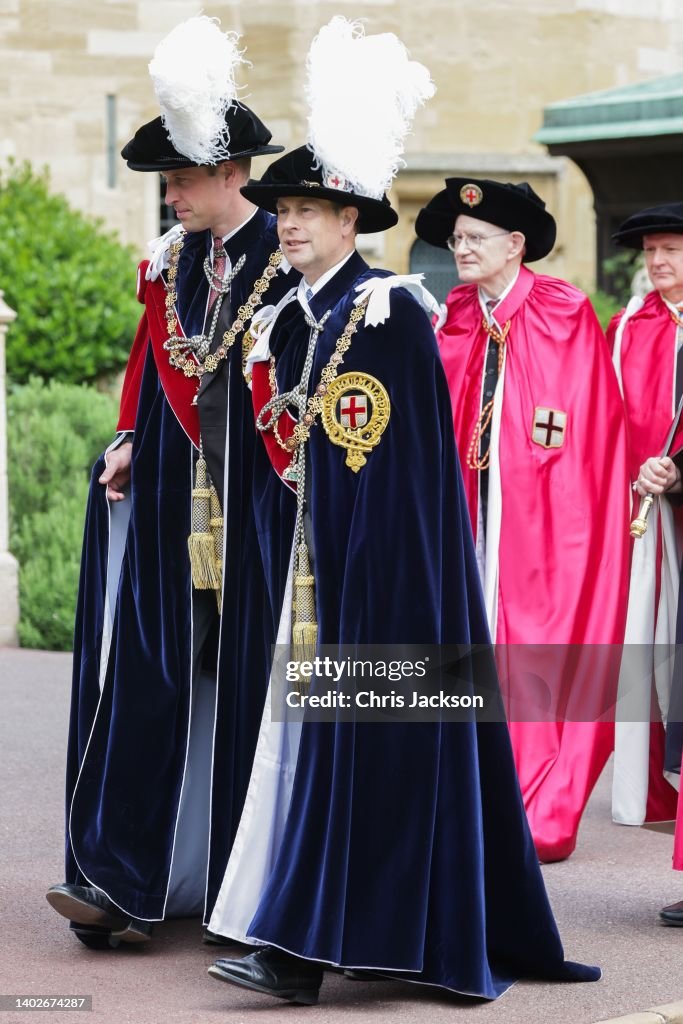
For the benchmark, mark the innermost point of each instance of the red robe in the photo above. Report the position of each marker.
(557, 568)
(152, 330)
(644, 357)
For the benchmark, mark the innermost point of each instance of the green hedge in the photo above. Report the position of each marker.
(72, 285)
(605, 307)
(55, 433)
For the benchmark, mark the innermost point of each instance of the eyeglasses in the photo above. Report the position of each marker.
(472, 242)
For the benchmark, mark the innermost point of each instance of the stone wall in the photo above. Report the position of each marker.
(496, 64)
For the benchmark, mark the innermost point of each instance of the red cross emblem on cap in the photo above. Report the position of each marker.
(471, 195)
(353, 411)
(334, 180)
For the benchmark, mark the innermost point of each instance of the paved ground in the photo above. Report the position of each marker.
(605, 899)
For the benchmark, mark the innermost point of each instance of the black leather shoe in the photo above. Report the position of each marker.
(92, 937)
(210, 938)
(85, 905)
(274, 973)
(672, 915)
(135, 933)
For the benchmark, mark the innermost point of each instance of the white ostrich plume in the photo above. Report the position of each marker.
(193, 71)
(363, 92)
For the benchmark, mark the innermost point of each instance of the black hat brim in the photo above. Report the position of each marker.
(502, 204)
(170, 163)
(374, 214)
(151, 149)
(656, 220)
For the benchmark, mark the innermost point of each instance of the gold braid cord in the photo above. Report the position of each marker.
(304, 622)
(206, 574)
(474, 460)
(205, 543)
(216, 530)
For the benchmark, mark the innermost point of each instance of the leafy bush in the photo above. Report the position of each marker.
(71, 284)
(54, 432)
(619, 270)
(605, 307)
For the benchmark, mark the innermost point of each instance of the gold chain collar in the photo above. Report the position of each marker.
(179, 359)
(314, 406)
(473, 459)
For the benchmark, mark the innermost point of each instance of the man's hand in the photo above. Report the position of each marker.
(658, 475)
(117, 472)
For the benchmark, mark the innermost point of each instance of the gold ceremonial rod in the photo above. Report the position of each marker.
(639, 525)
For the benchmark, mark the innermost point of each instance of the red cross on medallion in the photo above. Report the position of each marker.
(353, 411)
(471, 196)
(335, 182)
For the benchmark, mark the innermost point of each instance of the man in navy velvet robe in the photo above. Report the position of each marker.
(167, 692)
(399, 847)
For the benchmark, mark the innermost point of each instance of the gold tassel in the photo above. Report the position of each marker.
(200, 543)
(305, 626)
(216, 527)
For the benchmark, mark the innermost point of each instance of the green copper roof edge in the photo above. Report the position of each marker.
(620, 130)
(650, 89)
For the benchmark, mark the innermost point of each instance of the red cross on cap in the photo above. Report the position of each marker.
(471, 195)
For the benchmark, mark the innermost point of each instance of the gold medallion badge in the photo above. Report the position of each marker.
(471, 195)
(549, 427)
(355, 414)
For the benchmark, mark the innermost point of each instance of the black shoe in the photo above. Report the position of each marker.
(672, 915)
(210, 938)
(274, 973)
(135, 933)
(92, 937)
(87, 906)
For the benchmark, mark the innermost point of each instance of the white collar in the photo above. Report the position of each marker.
(322, 280)
(234, 230)
(672, 306)
(503, 295)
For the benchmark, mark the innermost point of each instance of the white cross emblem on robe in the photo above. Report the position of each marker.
(549, 427)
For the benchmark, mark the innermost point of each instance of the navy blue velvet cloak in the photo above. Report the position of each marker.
(128, 746)
(406, 847)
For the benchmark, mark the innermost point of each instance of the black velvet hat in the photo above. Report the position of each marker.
(296, 174)
(656, 220)
(511, 207)
(151, 149)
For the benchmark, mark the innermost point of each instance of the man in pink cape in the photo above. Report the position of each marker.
(647, 339)
(540, 430)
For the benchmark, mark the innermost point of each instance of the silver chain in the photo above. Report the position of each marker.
(220, 284)
(298, 396)
(200, 344)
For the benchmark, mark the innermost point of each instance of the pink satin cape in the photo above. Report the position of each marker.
(563, 550)
(648, 382)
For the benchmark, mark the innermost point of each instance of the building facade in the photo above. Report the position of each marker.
(74, 87)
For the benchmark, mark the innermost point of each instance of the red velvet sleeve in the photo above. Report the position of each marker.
(136, 360)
